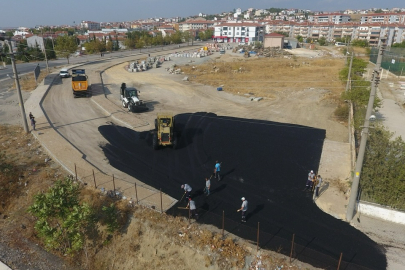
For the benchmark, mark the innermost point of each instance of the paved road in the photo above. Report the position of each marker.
(24, 68)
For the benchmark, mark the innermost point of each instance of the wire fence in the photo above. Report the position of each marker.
(291, 245)
(135, 192)
(393, 60)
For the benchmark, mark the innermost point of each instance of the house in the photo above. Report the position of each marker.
(238, 32)
(274, 40)
(90, 25)
(34, 41)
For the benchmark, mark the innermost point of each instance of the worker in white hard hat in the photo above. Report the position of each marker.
(311, 177)
(243, 208)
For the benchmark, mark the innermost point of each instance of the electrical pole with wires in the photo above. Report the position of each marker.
(17, 84)
(364, 135)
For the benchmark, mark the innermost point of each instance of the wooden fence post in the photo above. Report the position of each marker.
(292, 247)
(223, 222)
(75, 173)
(136, 194)
(258, 230)
(340, 260)
(114, 185)
(161, 201)
(94, 179)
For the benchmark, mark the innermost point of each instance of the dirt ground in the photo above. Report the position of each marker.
(165, 248)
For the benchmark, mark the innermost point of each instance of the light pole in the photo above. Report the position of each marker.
(17, 84)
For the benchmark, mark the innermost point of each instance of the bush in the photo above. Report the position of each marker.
(342, 112)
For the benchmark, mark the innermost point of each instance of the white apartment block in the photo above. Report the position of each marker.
(196, 25)
(90, 25)
(372, 32)
(238, 32)
(335, 18)
(385, 18)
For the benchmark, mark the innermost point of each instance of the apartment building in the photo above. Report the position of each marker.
(384, 18)
(238, 32)
(335, 18)
(90, 25)
(196, 25)
(372, 32)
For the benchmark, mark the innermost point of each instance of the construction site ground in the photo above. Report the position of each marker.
(167, 92)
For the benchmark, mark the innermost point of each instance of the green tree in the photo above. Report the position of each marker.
(399, 45)
(111, 217)
(61, 220)
(300, 38)
(65, 46)
(359, 43)
(116, 46)
(6, 59)
(322, 41)
(282, 33)
(383, 169)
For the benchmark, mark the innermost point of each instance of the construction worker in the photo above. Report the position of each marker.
(207, 186)
(319, 179)
(187, 189)
(217, 170)
(33, 122)
(191, 206)
(308, 185)
(243, 208)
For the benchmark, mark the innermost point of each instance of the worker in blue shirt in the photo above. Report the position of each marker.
(217, 170)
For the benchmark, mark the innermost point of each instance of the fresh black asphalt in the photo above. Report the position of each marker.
(266, 162)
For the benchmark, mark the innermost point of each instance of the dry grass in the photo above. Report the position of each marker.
(27, 81)
(267, 76)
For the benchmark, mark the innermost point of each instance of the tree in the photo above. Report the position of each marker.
(65, 46)
(300, 38)
(61, 220)
(116, 45)
(383, 170)
(322, 41)
(359, 43)
(399, 45)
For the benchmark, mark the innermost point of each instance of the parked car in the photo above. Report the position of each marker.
(64, 73)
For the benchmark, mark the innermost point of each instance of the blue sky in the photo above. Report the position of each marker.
(30, 13)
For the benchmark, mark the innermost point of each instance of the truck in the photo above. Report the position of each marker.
(130, 99)
(164, 134)
(80, 83)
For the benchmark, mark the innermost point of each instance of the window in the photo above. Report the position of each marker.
(237, 33)
(225, 33)
(243, 28)
(224, 28)
(243, 33)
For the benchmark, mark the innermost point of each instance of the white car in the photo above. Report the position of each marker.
(64, 73)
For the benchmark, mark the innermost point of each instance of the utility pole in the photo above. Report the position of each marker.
(349, 120)
(364, 135)
(349, 74)
(17, 84)
(46, 58)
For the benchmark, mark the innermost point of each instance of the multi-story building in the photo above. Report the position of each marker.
(372, 32)
(196, 25)
(90, 25)
(238, 32)
(335, 18)
(384, 18)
